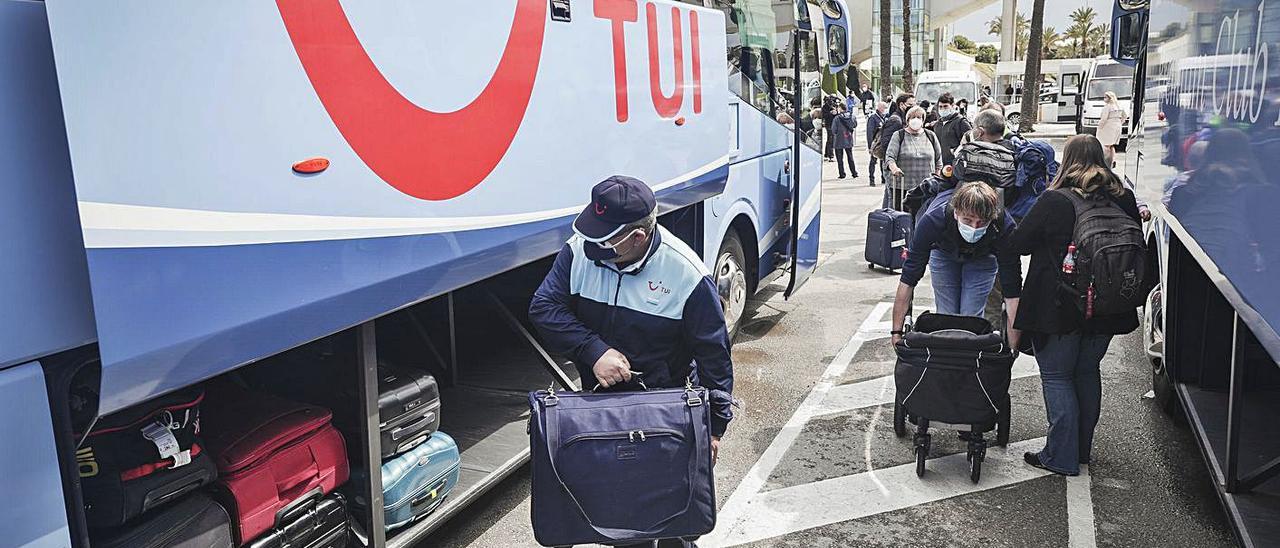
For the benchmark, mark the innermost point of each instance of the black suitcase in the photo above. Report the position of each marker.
(408, 408)
(318, 523)
(143, 457)
(194, 521)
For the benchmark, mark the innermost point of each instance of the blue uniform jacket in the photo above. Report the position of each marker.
(663, 313)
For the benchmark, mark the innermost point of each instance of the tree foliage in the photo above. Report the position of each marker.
(987, 54)
(963, 43)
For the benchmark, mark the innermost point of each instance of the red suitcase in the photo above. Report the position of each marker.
(272, 454)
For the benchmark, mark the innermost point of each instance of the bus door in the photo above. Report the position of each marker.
(806, 194)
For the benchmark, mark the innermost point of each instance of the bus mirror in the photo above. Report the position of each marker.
(837, 47)
(1127, 36)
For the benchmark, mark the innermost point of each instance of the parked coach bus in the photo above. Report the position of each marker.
(286, 195)
(1204, 163)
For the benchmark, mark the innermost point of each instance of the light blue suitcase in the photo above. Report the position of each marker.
(416, 482)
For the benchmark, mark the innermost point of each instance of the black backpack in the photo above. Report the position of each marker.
(1110, 260)
(991, 163)
(880, 144)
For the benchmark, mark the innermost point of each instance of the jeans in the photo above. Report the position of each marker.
(871, 169)
(830, 145)
(960, 286)
(1072, 382)
(841, 154)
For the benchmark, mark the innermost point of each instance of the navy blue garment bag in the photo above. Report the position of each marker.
(620, 467)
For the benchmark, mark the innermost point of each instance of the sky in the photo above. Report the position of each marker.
(1057, 14)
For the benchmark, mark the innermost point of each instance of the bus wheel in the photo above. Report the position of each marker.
(731, 281)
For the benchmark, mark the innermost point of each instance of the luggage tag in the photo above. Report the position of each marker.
(160, 435)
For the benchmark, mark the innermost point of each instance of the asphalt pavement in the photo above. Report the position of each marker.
(812, 461)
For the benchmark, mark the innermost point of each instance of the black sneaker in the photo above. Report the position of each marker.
(1034, 460)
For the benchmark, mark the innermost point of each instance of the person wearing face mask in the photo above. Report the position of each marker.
(963, 239)
(912, 155)
(950, 128)
(626, 297)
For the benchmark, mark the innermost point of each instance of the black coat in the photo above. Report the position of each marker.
(949, 131)
(1044, 234)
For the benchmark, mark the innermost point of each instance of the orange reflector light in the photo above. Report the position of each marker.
(312, 165)
(680, 121)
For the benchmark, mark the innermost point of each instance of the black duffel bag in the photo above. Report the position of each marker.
(143, 457)
(953, 369)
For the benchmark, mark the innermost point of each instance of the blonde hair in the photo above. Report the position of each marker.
(914, 111)
(1110, 97)
(979, 199)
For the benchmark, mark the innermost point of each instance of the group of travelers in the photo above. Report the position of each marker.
(982, 197)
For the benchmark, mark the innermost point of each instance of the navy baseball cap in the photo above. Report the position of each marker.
(615, 202)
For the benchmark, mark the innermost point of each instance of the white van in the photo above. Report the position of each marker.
(1105, 75)
(932, 84)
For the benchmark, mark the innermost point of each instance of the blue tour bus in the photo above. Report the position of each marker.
(194, 188)
(1205, 135)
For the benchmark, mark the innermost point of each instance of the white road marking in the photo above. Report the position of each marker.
(871, 435)
(857, 496)
(740, 504)
(1080, 524)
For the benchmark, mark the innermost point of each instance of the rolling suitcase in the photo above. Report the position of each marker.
(143, 457)
(888, 233)
(408, 408)
(623, 467)
(272, 455)
(194, 521)
(320, 523)
(416, 483)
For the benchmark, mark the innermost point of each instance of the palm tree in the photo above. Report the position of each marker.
(886, 49)
(1021, 36)
(1081, 28)
(1031, 77)
(1051, 41)
(1099, 40)
(908, 76)
(994, 26)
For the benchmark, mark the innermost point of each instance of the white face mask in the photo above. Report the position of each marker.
(945, 112)
(970, 234)
(915, 124)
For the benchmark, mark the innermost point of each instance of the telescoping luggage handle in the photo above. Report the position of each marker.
(693, 399)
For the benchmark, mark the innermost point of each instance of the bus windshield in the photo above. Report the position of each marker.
(1122, 87)
(931, 91)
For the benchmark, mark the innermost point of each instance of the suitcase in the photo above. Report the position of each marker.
(408, 408)
(143, 457)
(320, 523)
(272, 454)
(616, 468)
(417, 482)
(888, 232)
(194, 521)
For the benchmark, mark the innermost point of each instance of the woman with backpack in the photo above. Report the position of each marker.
(1069, 310)
(913, 153)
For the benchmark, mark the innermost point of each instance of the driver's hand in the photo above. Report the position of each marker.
(612, 368)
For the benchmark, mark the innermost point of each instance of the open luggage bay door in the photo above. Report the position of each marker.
(832, 37)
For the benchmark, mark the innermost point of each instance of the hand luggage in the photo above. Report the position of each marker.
(271, 454)
(319, 523)
(408, 408)
(143, 457)
(415, 484)
(621, 467)
(888, 234)
(194, 521)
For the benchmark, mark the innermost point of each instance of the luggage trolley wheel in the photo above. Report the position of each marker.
(921, 442)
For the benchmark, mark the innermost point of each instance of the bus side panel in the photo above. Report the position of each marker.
(35, 514)
(44, 282)
(207, 251)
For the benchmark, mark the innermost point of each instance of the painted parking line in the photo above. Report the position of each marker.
(855, 496)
